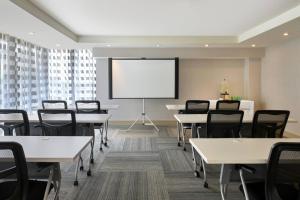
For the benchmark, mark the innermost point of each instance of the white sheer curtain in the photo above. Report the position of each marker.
(30, 74)
(72, 75)
(24, 73)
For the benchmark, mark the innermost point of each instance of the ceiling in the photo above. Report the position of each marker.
(163, 18)
(156, 23)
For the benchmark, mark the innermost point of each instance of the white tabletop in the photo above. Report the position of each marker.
(202, 118)
(102, 107)
(236, 151)
(245, 105)
(80, 118)
(50, 149)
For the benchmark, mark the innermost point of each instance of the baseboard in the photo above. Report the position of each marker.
(156, 122)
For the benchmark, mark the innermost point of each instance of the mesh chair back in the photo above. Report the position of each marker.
(224, 123)
(57, 122)
(54, 104)
(88, 106)
(13, 171)
(18, 122)
(269, 123)
(283, 174)
(196, 107)
(228, 105)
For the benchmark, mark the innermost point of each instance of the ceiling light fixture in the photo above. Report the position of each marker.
(286, 34)
(253, 45)
(157, 45)
(108, 45)
(30, 33)
(206, 45)
(57, 45)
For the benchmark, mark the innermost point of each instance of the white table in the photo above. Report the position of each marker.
(244, 105)
(54, 149)
(202, 119)
(80, 119)
(228, 152)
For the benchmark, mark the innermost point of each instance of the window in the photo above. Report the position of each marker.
(30, 74)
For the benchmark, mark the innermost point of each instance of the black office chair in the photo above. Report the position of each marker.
(194, 107)
(52, 127)
(91, 106)
(269, 123)
(20, 128)
(221, 124)
(14, 181)
(228, 105)
(54, 104)
(57, 128)
(282, 179)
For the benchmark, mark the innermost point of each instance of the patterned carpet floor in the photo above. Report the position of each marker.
(142, 165)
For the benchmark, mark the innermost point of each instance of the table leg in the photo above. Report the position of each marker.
(57, 179)
(105, 144)
(76, 171)
(101, 136)
(225, 176)
(196, 172)
(183, 137)
(92, 131)
(178, 132)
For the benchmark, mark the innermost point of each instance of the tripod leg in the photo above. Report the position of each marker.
(156, 128)
(137, 119)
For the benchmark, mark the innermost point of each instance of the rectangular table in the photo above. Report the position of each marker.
(202, 119)
(54, 149)
(245, 105)
(80, 119)
(228, 152)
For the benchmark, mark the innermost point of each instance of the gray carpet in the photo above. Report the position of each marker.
(142, 165)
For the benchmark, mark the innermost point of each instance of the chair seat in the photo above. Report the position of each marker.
(256, 191)
(36, 189)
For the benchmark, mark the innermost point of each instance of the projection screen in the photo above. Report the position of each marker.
(143, 78)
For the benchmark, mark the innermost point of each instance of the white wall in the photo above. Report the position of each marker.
(280, 80)
(198, 79)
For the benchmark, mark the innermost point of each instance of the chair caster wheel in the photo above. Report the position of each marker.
(184, 149)
(178, 144)
(89, 173)
(92, 161)
(81, 168)
(101, 148)
(197, 174)
(105, 144)
(75, 183)
(205, 184)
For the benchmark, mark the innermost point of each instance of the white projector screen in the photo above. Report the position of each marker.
(143, 78)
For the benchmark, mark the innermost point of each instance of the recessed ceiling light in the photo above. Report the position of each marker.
(206, 45)
(108, 45)
(157, 45)
(253, 45)
(30, 33)
(286, 34)
(57, 45)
